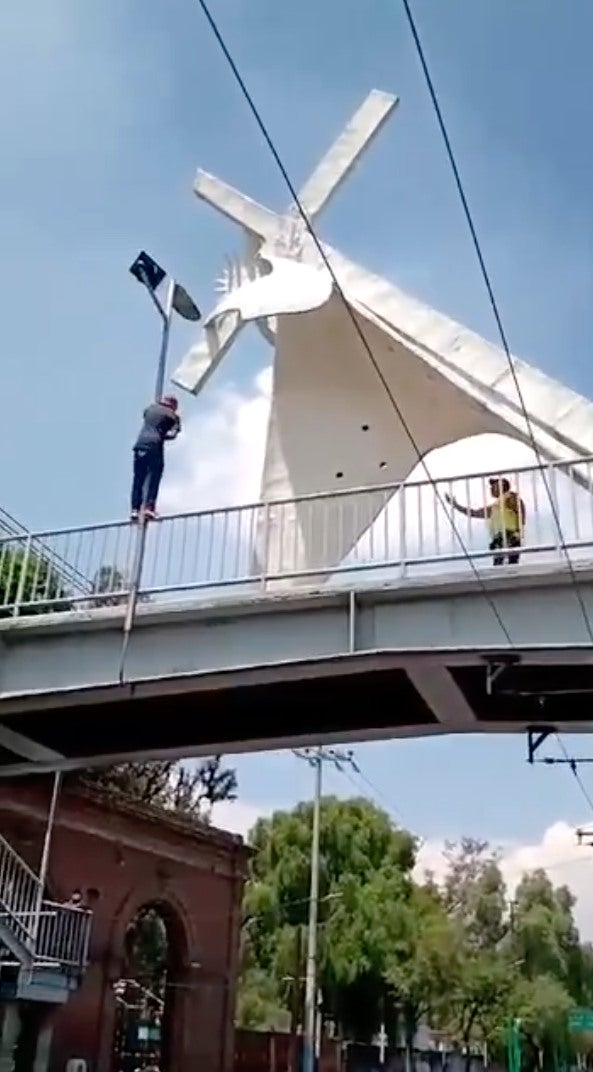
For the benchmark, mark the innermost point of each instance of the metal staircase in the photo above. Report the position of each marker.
(43, 946)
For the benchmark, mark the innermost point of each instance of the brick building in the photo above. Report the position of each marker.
(123, 857)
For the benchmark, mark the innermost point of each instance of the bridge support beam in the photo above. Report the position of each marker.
(10, 1031)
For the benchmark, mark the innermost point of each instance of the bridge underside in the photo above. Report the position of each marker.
(364, 697)
(280, 671)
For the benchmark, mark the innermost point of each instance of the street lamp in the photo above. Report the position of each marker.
(146, 270)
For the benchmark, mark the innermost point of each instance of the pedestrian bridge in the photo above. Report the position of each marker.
(238, 645)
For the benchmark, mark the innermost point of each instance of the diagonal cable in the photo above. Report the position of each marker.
(494, 305)
(361, 335)
(573, 766)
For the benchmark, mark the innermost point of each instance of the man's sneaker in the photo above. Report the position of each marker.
(134, 516)
(150, 513)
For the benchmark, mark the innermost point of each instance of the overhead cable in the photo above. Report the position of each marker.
(358, 329)
(493, 303)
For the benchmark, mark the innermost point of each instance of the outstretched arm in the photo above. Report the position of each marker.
(480, 511)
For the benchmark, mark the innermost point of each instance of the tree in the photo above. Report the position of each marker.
(541, 1005)
(31, 580)
(421, 946)
(258, 1004)
(545, 937)
(474, 896)
(147, 950)
(477, 1000)
(198, 789)
(357, 843)
(113, 582)
(392, 950)
(474, 891)
(173, 787)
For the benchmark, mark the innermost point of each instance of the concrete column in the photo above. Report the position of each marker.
(10, 1020)
(44, 1041)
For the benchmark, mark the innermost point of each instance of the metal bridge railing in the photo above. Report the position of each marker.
(52, 934)
(64, 937)
(19, 894)
(407, 530)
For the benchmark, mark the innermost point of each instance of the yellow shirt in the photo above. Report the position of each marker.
(504, 514)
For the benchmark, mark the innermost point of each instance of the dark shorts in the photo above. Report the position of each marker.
(508, 544)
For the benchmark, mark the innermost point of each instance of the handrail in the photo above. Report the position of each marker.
(316, 496)
(402, 527)
(58, 932)
(19, 890)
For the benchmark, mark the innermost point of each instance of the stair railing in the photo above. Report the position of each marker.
(19, 895)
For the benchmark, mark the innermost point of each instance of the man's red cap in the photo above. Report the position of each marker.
(170, 401)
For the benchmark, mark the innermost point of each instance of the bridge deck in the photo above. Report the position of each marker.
(229, 655)
(294, 669)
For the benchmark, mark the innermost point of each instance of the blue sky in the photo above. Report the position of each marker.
(107, 109)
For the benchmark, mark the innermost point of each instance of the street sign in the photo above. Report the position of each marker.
(581, 1020)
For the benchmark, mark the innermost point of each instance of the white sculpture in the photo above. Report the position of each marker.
(332, 425)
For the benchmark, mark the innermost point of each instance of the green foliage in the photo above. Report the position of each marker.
(147, 950)
(111, 581)
(174, 787)
(31, 580)
(393, 950)
(364, 861)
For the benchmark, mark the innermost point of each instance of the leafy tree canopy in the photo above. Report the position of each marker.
(462, 955)
(185, 789)
(32, 580)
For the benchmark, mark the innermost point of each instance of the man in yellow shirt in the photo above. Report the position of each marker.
(506, 520)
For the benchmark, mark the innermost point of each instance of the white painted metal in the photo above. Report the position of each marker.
(332, 425)
(38, 934)
(56, 664)
(409, 532)
(19, 887)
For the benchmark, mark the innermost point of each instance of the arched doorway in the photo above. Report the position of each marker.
(147, 992)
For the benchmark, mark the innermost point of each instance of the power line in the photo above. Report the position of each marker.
(378, 793)
(493, 302)
(359, 331)
(573, 766)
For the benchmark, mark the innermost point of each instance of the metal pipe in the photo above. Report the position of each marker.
(167, 314)
(162, 362)
(44, 865)
(311, 970)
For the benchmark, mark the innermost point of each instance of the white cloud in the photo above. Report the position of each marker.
(237, 816)
(219, 459)
(557, 852)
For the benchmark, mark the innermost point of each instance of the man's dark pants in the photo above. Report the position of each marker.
(504, 542)
(149, 463)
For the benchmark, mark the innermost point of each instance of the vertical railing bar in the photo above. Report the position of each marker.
(264, 564)
(403, 548)
(223, 545)
(23, 577)
(210, 549)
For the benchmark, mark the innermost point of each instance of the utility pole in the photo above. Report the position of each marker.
(295, 1011)
(316, 758)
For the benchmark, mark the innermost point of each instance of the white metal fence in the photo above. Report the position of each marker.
(52, 934)
(389, 532)
(19, 890)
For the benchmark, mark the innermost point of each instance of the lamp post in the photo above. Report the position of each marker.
(146, 270)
